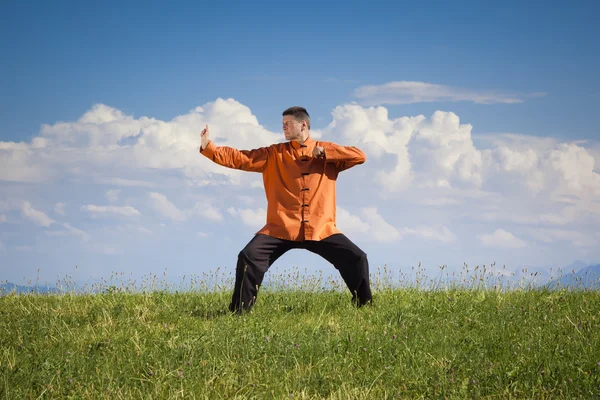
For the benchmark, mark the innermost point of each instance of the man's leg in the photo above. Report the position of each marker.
(350, 261)
(253, 262)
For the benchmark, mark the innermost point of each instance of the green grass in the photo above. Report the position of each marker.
(414, 342)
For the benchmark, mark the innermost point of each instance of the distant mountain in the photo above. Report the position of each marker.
(9, 287)
(585, 278)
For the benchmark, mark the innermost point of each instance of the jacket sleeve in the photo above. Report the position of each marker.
(253, 160)
(344, 157)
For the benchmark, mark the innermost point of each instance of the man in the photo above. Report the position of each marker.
(299, 177)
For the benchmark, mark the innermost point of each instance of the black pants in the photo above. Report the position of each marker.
(262, 251)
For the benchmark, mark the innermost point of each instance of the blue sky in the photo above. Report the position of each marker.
(518, 189)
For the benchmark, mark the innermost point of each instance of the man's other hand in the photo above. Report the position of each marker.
(318, 152)
(204, 139)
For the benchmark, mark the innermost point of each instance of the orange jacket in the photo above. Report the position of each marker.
(300, 188)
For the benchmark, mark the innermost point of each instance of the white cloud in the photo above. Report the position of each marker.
(126, 211)
(253, 218)
(549, 173)
(575, 166)
(105, 142)
(444, 149)
(112, 195)
(407, 92)
(503, 239)
(24, 162)
(70, 231)
(552, 235)
(439, 233)
(350, 223)
(162, 205)
(206, 210)
(380, 230)
(435, 161)
(2, 218)
(36, 216)
(430, 153)
(59, 208)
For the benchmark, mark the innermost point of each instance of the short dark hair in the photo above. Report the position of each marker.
(299, 113)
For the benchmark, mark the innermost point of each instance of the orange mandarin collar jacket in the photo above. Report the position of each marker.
(300, 189)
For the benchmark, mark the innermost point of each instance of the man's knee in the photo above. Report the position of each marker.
(244, 255)
(357, 253)
(249, 262)
(247, 253)
(361, 256)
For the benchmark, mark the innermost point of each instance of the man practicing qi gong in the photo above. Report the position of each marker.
(299, 178)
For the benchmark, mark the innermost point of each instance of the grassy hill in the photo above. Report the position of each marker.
(412, 343)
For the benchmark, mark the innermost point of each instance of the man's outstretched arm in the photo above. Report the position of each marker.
(343, 156)
(246, 160)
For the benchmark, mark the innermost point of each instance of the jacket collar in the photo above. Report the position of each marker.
(309, 142)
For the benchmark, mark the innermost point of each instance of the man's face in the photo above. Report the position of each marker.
(292, 129)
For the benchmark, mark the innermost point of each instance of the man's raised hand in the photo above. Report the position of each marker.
(318, 152)
(204, 139)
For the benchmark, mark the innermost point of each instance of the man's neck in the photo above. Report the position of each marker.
(303, 138)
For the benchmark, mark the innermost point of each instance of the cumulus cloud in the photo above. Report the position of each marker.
(407, 92)
(36, 216)
(20, 162)
(576, 169)
(132, 148)
(548, 172)
(437, 161)
(253, 218)
(374, 226)
(166, 208)
(350, 223)
(205, 210)
(503, 239)
(430, 153)
(163, 206)
(381, 230)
